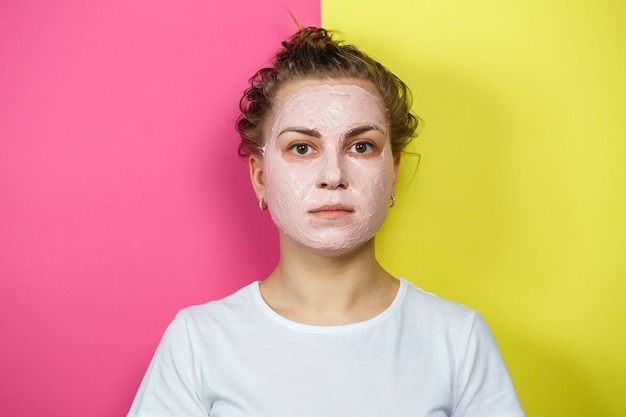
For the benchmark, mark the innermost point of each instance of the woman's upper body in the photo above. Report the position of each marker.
(329, 332)
(421, 356)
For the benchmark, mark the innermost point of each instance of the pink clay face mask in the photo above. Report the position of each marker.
(328, 168)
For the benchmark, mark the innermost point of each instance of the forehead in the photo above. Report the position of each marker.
(292, 86)
(339, 99)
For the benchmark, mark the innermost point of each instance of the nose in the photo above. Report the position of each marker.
(333, 173)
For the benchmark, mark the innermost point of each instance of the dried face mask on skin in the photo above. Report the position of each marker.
(328, 167)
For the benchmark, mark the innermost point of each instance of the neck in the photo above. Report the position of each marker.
(323, 288)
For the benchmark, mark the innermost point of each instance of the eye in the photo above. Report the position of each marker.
(301, 149)
(361, 147)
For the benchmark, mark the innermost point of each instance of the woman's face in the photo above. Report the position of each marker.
(328, 171)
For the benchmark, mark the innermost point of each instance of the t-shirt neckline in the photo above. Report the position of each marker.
(344, 328)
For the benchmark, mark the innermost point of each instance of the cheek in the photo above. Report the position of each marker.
(288, 184)
(373, 180)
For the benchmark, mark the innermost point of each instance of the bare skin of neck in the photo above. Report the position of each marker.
(328, 289)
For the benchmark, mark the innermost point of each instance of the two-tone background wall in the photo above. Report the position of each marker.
(122, 198)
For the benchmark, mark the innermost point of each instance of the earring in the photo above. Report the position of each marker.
(262, 204)
(393, 201)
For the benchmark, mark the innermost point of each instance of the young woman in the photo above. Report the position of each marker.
(329, 332)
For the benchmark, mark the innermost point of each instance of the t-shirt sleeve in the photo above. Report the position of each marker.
(484, 387)
(169, 387)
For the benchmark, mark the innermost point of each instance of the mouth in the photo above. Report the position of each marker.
(332, 212)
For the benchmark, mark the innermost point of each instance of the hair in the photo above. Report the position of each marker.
(312, 53)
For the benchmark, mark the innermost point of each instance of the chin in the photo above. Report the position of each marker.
(336, 247)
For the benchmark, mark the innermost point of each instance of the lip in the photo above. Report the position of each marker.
(331, 212)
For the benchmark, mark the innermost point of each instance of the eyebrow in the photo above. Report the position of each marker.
(309, 132)
(316, 134)
(361, 129)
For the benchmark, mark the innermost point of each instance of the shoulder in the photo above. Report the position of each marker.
(236, 308)
(426, 303)
(237, 303)
(438, 316)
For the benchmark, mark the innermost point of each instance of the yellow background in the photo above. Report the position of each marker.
(518, 206)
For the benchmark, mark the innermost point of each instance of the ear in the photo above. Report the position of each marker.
(396, 167)
(256, 175)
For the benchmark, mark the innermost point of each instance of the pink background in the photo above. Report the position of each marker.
(122, 198)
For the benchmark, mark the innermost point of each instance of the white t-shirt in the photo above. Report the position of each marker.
(422, 356)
